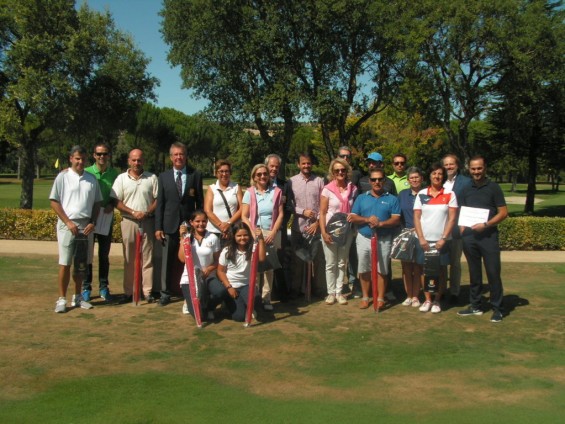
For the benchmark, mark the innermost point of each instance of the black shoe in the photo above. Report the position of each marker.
(496, 316)
(469, 311)
(345, 289)
(164, 301)
(149, 299)
(127, 299)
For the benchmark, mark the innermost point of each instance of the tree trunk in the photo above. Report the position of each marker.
(27, 155)
(532, 171)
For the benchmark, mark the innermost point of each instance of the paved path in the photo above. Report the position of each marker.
(50, 248)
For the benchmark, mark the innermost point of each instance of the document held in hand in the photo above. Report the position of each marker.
(470, 216)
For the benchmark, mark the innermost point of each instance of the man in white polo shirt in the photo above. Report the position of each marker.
(76, 199)
(135, 192)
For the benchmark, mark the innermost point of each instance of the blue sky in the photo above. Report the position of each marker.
(141, 19)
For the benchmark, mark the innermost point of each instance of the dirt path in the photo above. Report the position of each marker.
(50, 248)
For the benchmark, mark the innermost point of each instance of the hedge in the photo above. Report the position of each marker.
(523, 233)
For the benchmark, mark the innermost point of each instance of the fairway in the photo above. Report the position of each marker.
(306, 363)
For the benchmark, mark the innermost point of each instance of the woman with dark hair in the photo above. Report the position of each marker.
(235, 268)
(434, 218)
(205, 253)
(222, 203)
(411, 270)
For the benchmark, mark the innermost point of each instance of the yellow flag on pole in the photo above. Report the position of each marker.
(57, 164)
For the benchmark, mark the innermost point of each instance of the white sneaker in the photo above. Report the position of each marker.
(341, 299)
(330, 300)
(436, 309)
(79, 301)
(426, 306)
(415, 302)
(185, 309)
(407, 302)
(61, 305)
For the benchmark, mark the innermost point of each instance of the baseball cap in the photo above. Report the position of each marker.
(377, 157)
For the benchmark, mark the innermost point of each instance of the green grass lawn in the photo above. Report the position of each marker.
(304, 364)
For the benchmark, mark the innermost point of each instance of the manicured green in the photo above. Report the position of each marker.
(311, 364)
(10, 191)
(552, 204)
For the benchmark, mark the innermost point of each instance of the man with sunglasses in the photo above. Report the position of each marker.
(375, 161)
(344, 152)
(375, 210)
(106, 175)
(399, 176)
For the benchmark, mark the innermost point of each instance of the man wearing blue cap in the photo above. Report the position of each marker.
(375, 161)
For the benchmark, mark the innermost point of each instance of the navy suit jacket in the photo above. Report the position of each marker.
(172, 210)
(459, 186)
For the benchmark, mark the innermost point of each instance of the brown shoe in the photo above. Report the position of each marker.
(364, 304)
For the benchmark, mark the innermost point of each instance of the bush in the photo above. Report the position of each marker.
(524, 233)
(25, 224)
(532, 233)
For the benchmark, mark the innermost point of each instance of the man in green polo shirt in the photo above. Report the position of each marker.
(105, 175)
(399, 175)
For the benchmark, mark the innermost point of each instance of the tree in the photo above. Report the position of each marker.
(530, 111)
(278, 61)
(457, 53)
(67, 70)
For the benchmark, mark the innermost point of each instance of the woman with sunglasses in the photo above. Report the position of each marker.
(411, 270)
(434, 218)
(262, 207)
(337, 196)
(222, 203)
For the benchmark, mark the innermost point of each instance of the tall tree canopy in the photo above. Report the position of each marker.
(278, 61)
(64, 70)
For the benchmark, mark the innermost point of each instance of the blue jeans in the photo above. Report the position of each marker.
(238, 307)
(104, 244)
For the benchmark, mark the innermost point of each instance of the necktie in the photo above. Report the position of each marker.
(179, 183)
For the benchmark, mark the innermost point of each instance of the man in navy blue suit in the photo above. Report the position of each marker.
(180, 194)
(456, 182)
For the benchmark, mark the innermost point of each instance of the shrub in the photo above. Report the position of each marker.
(532, 233)
(524, 233)
(25, 224)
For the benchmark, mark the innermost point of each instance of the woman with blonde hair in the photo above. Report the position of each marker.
(262, 207)
(337, 197)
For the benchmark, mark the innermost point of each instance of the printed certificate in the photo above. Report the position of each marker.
(470, 216)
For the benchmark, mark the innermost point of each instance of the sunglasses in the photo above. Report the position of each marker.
(261, 174)
(375, 180)
(340, 171)
(400, 163)
(344, 156)
(101, 153)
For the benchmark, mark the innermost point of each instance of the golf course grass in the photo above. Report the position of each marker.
(303, 364)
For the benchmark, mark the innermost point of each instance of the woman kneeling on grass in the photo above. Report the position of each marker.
(234, 268)
(205, 253)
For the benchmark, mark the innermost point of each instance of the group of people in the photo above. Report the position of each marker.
(339, 213)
